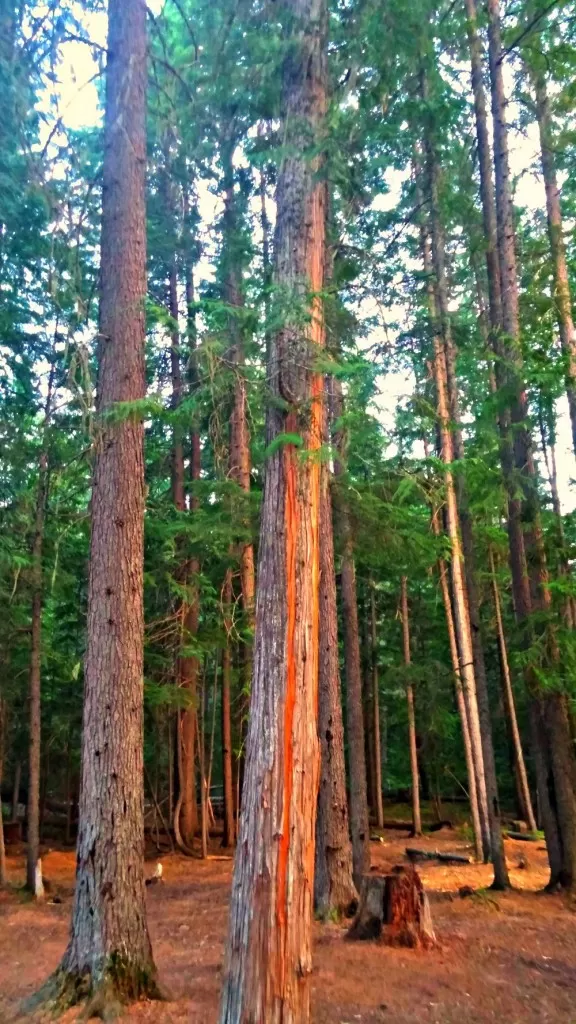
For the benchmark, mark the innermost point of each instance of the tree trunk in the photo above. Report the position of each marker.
(493, 844)
(510, 705)
(465, 681)
(556, 759)
(268, 957)
(187, 666)
(468, 755)
(416, 817)
(375, 705)
(239, 459)
(334, 890)
(358, 803)
(187, 806)
(366, 665)
(109, 957)
(3, 878)
(562, 295)
(33, 810)
(464, 597)
(16, 790)
(229, 836)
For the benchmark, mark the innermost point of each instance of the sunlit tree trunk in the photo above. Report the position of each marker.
(109, 957)
(268, 955)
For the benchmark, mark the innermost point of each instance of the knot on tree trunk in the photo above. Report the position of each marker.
(395, 910)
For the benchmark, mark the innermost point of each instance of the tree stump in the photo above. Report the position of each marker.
(12, 832)
(395, 910)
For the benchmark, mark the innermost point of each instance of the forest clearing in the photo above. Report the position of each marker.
(500, 957)
(288, 511)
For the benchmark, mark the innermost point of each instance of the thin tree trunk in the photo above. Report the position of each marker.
(109, 957)
(202, 769)
(229, 836)
(36, 580)
(334, 889)
(187, 805)
(476, 691)
(563, 301)
(416, 816)
(460, 702)
(556, 759)
(3, 877)
(461, 619)
(268, 957)
(187, 666)
(508, 693)
(239, 461)
(375, 704)
(16, 790)
(358, 802)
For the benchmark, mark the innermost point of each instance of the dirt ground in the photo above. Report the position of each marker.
(508, 958)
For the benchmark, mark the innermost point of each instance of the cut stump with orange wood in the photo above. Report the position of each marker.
(394, 909)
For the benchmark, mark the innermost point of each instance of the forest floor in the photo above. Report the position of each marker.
(501, 957)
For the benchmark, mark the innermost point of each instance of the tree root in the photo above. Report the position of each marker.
(104, 997)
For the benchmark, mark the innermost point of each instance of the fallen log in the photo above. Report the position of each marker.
(523, 837)
(398, 825)
(394, 909)
(415, 855)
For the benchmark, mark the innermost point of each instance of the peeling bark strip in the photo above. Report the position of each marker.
(268, 958)
(109, 957)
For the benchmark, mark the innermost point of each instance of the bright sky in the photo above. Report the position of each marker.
(79, 108)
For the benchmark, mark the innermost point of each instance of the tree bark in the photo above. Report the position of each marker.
(510, 705)
(556, 759)
(416, 816)
(268, 956)
(109, 957)
(563, 300)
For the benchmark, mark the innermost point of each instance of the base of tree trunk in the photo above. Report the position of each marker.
(118, 985)
(395, 910)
